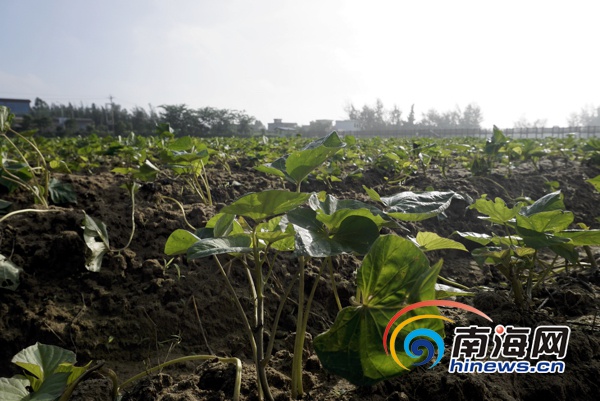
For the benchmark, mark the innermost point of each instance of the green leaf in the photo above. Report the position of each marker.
(41, 361)
(410, 206)
(443, 291)
(539, 240)
(267, 168)
(549, 202)
(549, 221)
(61, 192)
(332, 211)
(595, 182)
(581, 237)
(5, 118)
(497, 211)
(428, 241)
(393, 270)
(298, 165)
(372, 194)
(92, 231)
(482, 239)
(179, 241)
(9, 274)
(262, 205)
(224, 225)
(4, 206)
(14, 389)
(181, 144)
(272, 231)
(239, 243)
(354, 234)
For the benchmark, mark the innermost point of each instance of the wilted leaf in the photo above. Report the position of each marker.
(92, 231)
(9, 274)
(61, 192)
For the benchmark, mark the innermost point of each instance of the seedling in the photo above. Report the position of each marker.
(523, 232)
(49, 374)
(95, 234)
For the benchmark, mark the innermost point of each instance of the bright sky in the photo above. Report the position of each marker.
(302, 60)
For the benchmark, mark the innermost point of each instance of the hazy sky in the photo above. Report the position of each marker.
(303, 60)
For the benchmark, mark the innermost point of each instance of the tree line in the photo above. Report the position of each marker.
(60, 119)
(377, 117)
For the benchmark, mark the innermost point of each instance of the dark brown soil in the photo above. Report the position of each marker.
(138, 311)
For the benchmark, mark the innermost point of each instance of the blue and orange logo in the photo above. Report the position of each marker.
(423, 338)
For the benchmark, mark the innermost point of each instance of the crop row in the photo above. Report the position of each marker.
(255, 229)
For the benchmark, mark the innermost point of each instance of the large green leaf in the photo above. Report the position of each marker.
(9, 274)
(239, 243)
(96, 239)
(333, 211)
(549, 202)
(41, 361)
(581, 237)
(262, 205)
(550, 221)
(298, 165)
(14, 389)
(273, 231)
(595, 182)
(179, 242)
(393, 273)
(496, 211)
(482, 239)
(429, 241)
(354, 234)
(538, 240)
(411, 206)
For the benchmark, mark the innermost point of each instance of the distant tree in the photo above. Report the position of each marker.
(524, 123)
(395, 117)
(472, 117)
(410, 122)
(588, 116)
(369, 118)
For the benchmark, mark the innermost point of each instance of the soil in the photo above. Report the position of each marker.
(140, 310)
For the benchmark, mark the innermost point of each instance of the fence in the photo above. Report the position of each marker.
(530, 133)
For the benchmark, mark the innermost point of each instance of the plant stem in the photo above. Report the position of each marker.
(276, 320)
(259, 327)
(297, 389)
(182, 210)
(246, 323)
(132, 194)
(26, 211)
(333, 286)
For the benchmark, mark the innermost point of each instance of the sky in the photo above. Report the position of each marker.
(303, 60)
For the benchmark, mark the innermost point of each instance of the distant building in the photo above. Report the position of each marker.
(346, 126)
(19, 107)
(278, 126)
